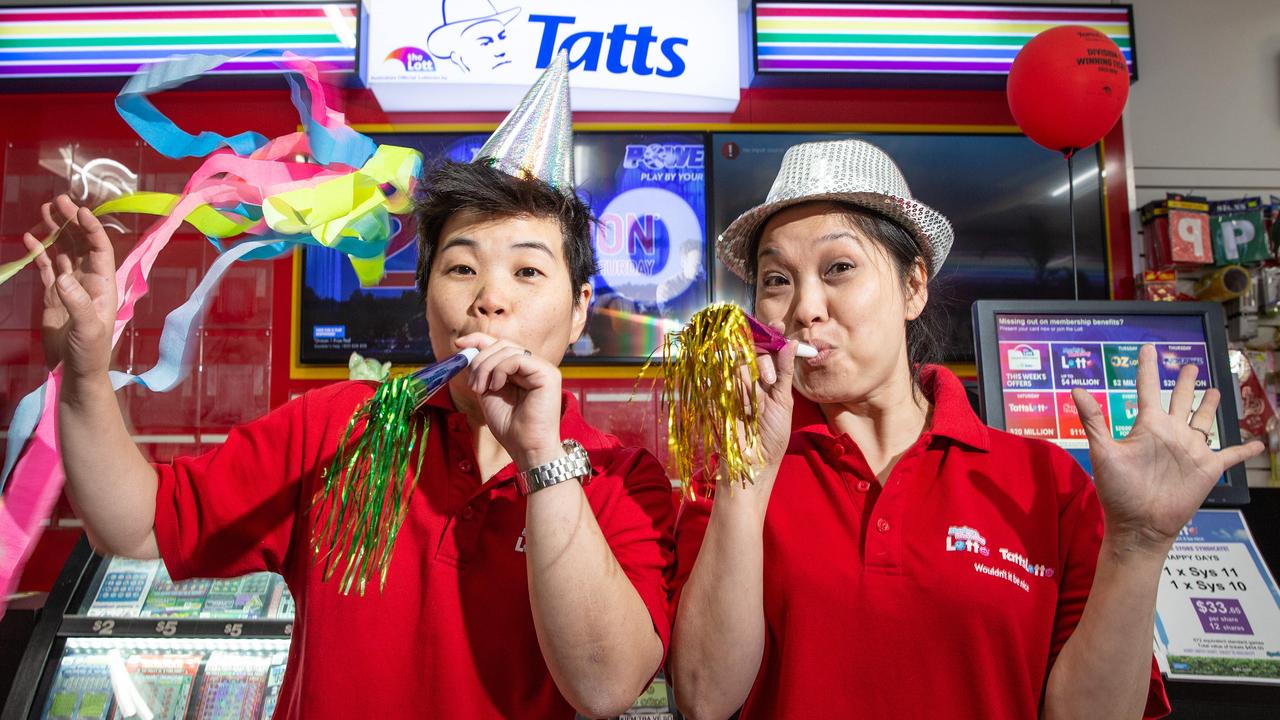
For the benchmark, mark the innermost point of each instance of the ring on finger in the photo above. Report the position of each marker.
(1207, 439)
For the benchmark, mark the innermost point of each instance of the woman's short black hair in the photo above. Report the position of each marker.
(452, 187)
(924, 334)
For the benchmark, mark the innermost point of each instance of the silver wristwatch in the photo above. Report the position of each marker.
(573, 466)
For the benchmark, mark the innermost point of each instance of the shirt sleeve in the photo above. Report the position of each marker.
(1080, 538)
(637, 524)
(232, 510)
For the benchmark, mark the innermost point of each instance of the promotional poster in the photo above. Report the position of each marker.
(1218, 610)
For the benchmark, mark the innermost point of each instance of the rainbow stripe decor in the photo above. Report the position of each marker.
(913, 38)
(114, 40)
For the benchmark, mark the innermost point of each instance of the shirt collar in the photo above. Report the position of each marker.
(953, 416)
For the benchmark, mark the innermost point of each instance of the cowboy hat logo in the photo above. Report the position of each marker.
(472, 34)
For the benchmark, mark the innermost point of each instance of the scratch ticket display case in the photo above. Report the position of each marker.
(119, 639)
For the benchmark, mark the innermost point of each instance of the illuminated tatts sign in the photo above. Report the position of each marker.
(660, 55)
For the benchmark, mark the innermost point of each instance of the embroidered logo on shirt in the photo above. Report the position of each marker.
(1029, 567)
(520, 541)
(1003, 575)
(962, 538)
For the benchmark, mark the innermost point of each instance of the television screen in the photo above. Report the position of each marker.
(337, 316)
(648, 193)
(1005, 196)
(1033, 354)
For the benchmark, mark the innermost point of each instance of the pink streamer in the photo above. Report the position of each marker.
(223, 180)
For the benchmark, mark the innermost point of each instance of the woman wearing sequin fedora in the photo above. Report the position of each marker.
(895, 557)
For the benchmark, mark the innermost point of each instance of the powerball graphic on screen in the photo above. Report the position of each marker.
(1044, 357)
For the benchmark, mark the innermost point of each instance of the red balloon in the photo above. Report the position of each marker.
(1067, 87)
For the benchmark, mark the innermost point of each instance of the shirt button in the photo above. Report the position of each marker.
(838, 449)
(455, 424)
(468, 513)
(466, 466)
(882, 525)
(863, 486)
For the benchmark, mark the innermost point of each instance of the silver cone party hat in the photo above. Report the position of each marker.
(536, 138)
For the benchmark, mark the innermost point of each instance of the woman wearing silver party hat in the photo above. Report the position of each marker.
(530, 549)
(892, 556)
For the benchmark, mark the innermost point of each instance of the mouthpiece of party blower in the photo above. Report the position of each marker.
(769, 339)
(367, 487)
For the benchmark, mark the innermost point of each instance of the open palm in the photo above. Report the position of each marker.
(1152, 482)
(79, 289)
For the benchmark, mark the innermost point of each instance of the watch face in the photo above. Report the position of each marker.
(579, 453)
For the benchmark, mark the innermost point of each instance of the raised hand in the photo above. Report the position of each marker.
(520, 397)
(774, 401)
(79, 289)
(1152, 482)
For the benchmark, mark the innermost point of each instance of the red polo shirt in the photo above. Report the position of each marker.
(452, 636)
(948, 592)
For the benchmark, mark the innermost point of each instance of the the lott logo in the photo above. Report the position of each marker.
(961, 538)
(472, 35)
(413, 59)
(587, 48)
(1024, 357)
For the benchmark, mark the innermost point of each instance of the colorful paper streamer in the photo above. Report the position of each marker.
(249, 186)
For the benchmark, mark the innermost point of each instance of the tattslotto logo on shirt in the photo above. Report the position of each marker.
(964, 539)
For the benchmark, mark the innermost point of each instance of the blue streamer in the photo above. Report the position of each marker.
(342, 145)
(158, 130)
(21, 428)
(346, 146)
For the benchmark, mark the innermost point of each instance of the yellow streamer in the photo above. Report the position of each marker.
(336, 208)
(204, 218)
(349, 206)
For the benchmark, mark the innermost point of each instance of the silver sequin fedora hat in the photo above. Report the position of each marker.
(847, 171)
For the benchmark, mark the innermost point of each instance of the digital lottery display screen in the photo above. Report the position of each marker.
(1043, 357)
